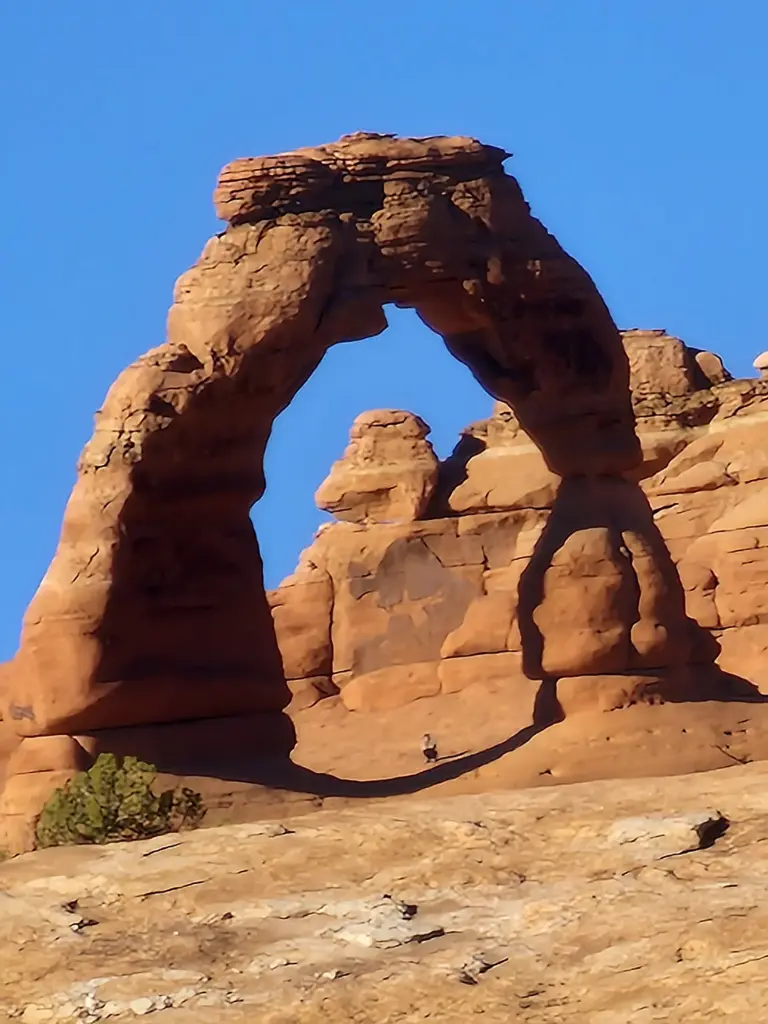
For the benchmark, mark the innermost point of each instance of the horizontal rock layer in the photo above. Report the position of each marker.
(588, 582)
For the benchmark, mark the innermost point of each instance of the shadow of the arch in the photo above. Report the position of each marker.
(190, 749)
(620, 505)
(163, 530)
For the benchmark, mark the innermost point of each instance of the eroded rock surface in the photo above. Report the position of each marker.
(612, 902)
(559, 552)
(388, 472)
(622, 593)
(153, 610)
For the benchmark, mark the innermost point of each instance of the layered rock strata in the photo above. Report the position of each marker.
(512, 576)
(153, 611)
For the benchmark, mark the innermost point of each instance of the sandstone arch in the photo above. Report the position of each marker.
(153, 608)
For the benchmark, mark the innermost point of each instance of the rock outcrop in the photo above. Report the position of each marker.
(153, 611)
(560, 553)
(621, 593)
(388, 472)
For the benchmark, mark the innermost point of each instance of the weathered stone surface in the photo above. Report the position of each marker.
(393, 687)
(594, 903)
(658, 364)
(26, 795)
(489, 626)
(506, 472)
(301, 612)
(584, 616)
(496, 465)
(49, 753)
(554, 556)
(492, 671)
(388, 472)
(711, 367)
(761, 364)
(585, 579)
(610, 692)
(153, 608)
(305, 693)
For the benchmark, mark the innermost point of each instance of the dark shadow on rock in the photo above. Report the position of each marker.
(228, 749)
(451, 473)
(186, 631)
(546, 707)
(620, 506)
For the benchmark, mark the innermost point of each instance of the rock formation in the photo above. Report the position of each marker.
(388, 472)
(616, 903)
(621, 594)
(761, 364)
(532, 555)
(153, 610)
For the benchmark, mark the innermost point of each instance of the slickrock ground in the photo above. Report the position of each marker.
(594, 901)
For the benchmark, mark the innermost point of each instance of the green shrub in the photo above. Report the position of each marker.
(112, 802)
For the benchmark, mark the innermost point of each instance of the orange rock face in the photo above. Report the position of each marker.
(588, 546)
(153, 608)
(623, 594)
(388, 472)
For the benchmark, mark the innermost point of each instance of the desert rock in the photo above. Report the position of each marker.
(761, 364)
(591, 902)
(153, 607)
(603, 524)
(625, 594)
(388, 472)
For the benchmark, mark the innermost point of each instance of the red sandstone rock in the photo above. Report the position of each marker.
(49, 753)
(153, 607)
(507, 472)
(492, 671)
(387, 688)
(711, 368)
(387, 474)
(658, 364)
(301, 612)
(604, 597)
(305, 693)
(530, 555)
(489, 626)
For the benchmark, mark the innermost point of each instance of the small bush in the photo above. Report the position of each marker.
(113, 802)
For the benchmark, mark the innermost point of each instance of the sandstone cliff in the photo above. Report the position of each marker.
(498, 571)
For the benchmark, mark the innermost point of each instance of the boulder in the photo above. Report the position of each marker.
(658, 364)
(388, 472)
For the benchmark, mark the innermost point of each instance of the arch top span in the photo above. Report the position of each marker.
(153, 608)
(435, 224)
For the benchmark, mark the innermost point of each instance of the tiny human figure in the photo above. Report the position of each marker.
(428, 748)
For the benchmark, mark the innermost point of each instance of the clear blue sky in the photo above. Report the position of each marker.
(638, 133)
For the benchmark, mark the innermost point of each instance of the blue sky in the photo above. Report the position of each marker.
(638, 134)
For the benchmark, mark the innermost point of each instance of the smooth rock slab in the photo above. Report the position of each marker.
(669, 836)
(572, 887)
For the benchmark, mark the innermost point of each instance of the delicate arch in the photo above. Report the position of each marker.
(153, 608)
